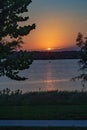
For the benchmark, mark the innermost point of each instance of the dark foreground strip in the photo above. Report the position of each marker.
(44, 123)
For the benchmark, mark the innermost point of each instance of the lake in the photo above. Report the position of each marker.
(46, 75)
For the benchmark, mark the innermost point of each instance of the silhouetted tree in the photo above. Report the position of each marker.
(82, 43)
(12, 59)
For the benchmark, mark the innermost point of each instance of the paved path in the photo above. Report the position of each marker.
(44, 123)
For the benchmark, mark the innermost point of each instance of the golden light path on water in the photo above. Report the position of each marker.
(49, 84)
(39, 81)
(45, 75)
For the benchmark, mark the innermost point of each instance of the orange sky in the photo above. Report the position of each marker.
(56, 24)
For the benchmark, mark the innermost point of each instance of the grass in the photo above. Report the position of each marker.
(44, 112)
(43, 98)
(43, 105)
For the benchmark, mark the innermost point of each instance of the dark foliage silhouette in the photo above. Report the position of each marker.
(82, 44)
(12, 58)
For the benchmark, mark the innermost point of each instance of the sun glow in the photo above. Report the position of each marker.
(49, 49)
(49, 37)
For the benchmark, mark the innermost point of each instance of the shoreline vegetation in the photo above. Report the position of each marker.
(51, 105)
(46, 55)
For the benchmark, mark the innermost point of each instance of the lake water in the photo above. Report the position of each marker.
(46, 75)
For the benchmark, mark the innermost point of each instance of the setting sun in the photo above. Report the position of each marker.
(49, 49)
(56, 24)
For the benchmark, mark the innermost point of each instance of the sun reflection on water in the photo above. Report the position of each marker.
(49, 81)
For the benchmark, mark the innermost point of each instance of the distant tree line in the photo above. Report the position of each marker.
(38, 55)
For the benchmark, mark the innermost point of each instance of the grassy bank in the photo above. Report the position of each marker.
(43, 105)
(44, 112)
(8, 98)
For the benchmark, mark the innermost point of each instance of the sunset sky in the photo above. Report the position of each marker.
(57, 23)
